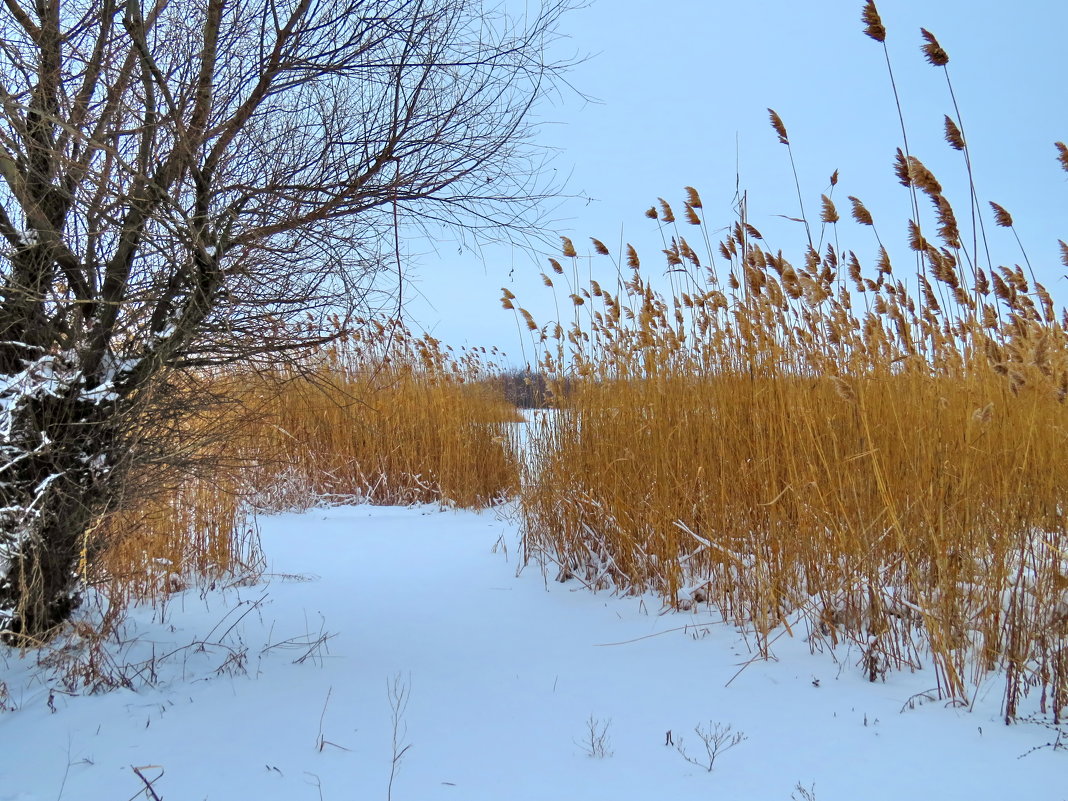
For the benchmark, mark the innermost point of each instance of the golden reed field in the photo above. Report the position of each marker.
(874, 453)
(383, 417)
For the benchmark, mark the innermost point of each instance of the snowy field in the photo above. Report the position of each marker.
(370, 617)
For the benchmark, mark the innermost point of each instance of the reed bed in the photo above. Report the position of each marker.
(382, 416)
(820, 445)
(386, 417)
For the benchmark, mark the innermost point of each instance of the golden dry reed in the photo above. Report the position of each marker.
(386, 417)
(818, 445)
(382, 417)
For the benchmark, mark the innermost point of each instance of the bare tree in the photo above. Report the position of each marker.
(185, 183)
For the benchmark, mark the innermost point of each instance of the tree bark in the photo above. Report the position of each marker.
(56, 483)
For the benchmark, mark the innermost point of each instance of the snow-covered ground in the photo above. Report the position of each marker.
(367, 615)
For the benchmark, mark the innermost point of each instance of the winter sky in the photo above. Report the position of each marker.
(681, 91)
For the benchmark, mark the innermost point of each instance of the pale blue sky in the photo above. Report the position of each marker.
(683, 87)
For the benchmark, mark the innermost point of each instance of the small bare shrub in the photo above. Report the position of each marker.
(717, 738)
(595, 742)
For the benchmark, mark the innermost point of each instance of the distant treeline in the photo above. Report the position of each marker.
(526, 389)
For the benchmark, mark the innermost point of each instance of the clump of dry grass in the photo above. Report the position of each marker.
(819, 444)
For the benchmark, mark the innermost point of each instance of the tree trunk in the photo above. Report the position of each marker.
(55, 483)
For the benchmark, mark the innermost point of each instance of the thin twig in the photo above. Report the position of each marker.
(149, 790)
